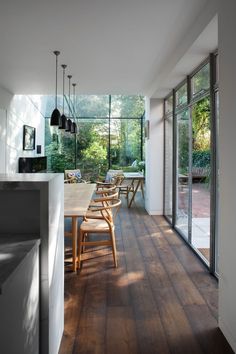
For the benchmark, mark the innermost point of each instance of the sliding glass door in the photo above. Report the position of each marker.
(168, 148)
(182, 168)
(168, 206)
(201, 177)
(192, 180)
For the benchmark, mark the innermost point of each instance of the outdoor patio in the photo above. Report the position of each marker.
(200, 215)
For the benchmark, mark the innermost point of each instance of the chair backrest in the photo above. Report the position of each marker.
(112, 173)
(73, 175)
(109, 209)
(106, 191)
(118, 179)
(107, 197)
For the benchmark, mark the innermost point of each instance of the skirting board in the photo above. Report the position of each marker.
(228, 334)
(154, 212)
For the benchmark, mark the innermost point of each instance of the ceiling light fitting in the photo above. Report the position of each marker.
(63, 124)
(69, 121)
(74, 126)
(55, 117)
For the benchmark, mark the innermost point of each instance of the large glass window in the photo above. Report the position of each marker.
(217, 68)
(169, 104)
(181, 96)
(92, 147)
(182, 190)
(195, 143)
(110, 133)
(59, 148)
(127, 106)
(217, 186)
(168, 208)
(201, 81)
(201, 172)
(92, 106)
(125, 145)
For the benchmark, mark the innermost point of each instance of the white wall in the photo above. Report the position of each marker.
(19, 304)
(42, 217)
(227, 154)
(5, 100)
(154, 157)
(3, 124)
(16, 111)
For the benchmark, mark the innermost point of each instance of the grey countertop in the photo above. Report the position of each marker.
(27, 177)
(13, 251)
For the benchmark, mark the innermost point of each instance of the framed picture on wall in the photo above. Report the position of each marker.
(28, 137)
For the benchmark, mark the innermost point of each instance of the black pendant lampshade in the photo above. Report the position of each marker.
(55, 117)
(69, 124)
(63, 120)
(73, 128)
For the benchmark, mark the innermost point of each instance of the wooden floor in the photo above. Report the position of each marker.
(160, 299)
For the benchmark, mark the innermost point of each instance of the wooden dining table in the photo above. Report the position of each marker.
(137, 180)
(77, 197)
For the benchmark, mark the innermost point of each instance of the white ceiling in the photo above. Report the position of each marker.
(110, 46)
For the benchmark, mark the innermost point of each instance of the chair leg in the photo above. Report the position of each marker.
(113, 241)
(81, 236)
(84, 237)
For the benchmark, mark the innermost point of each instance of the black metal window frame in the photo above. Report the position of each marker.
(191, 100)
(110, 118)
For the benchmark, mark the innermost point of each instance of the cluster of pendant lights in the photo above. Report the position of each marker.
(58, 119)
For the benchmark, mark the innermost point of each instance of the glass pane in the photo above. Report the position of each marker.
(181, 95)
(127, 106)
(201, 158)
(217, 68)
(59, 148)
(46, 104)
(125, 143)
(217, 185)
(169, 104)
(91, 149)
(182, 195)
(201, 80)
(92, 106)
(168, 166)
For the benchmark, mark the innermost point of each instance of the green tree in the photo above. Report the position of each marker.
(201, 125)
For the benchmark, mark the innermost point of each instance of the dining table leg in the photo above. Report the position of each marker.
(134, 193)
(141, 184)
(74, 242)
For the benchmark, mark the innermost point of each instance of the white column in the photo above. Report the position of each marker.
(154, 157)
(227, 154)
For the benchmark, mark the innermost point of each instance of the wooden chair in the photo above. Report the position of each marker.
(118, 181)
(123, 188)
(103, 225)
(73, 176)
(109, 193)
(112, 179)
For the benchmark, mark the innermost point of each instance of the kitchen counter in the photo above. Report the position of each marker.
(13, 251)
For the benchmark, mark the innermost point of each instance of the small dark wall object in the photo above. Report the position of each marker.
(38, 149)
(28, 137)
(32, 164)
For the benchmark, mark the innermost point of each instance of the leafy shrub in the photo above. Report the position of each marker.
(201, 158)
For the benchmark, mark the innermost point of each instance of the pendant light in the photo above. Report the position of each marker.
(55, 117)
(69, 122)
(63, 120)
(74, 126)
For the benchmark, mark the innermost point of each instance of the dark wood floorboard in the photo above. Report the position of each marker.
(160, 299)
